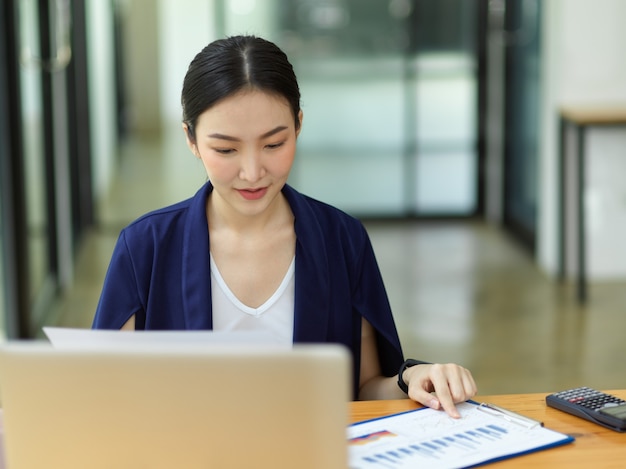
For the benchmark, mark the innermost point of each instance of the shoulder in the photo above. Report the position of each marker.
(324, 222)
(160, 219)
(307, 207)
(168, 220)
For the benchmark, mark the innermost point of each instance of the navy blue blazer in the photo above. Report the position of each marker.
(160, 273)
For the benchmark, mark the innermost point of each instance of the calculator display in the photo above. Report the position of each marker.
(616, 411)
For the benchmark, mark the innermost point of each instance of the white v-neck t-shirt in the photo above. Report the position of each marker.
(275, 316)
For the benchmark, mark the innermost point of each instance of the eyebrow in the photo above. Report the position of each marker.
(274, 131)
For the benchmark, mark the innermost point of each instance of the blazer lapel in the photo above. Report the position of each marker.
(312, 290)
(196, 270)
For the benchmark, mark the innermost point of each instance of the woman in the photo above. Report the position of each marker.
(250, 252)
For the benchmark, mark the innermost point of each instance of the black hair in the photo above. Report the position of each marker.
(227, 66)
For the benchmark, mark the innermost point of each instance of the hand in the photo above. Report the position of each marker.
(451, 384)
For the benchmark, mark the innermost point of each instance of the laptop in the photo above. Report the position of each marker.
(141, 407)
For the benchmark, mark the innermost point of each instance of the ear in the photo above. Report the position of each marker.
(300, 116)
(190, 141)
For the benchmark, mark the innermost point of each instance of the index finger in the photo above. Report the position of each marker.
(447, 403)
(444, 395)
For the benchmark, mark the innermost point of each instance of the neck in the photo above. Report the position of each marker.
(220, 215)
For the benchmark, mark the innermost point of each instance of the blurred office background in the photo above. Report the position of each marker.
(434, 121)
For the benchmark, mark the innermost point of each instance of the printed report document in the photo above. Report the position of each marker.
(430, 438)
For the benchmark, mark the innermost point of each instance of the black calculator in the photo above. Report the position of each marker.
(590, 404)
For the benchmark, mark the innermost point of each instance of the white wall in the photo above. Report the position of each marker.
(185, 27)
(583, 64)
(101, 70)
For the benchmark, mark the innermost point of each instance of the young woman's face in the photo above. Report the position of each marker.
(247, 144)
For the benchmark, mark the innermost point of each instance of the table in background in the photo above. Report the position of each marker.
(595, 446)
(580, 119)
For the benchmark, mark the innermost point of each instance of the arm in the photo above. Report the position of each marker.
(129, 325)
(119, 298)
(450, 383)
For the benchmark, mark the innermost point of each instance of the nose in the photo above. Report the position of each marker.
(252, 168)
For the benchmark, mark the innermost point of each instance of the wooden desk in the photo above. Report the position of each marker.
(579, 119)
(595, 446)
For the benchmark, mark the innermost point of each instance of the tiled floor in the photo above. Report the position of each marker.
(461, 291)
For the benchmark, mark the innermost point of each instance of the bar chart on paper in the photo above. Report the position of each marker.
(430, 438)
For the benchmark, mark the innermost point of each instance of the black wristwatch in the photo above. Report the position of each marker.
(408, 364)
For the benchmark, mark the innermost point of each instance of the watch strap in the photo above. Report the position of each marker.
(407, 364)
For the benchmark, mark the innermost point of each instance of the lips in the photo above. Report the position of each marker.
(252, 194)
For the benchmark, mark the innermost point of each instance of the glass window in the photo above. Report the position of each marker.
(389, 99)
(34, 152)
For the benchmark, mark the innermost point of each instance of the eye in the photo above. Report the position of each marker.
(224, 151)
(272, 146)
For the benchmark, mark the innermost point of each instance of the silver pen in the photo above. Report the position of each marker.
(509, 415)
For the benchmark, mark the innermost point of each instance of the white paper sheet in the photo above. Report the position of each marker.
(83, 339)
